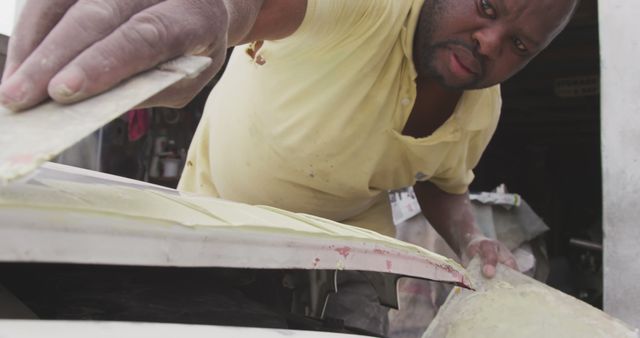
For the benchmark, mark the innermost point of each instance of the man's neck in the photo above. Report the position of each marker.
(434, 105)
(435, 86)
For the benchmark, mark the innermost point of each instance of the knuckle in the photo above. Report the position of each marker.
(471, 252)
(95, 16)
(194, 37)
(99, 7)
(147, 29)
(489, 246)
(491, 255)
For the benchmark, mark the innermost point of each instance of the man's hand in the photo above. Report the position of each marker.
(451, 216)
(73, 49)
(491, 252)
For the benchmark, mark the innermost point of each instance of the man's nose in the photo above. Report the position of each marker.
(489, 41)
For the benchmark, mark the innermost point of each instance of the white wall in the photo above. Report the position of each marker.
(18, 6)
(7, 16)
(620, 50)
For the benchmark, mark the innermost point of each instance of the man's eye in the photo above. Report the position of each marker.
(520, 45)
(488, 9)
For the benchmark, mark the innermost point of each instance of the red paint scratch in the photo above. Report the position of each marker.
(344, 251)
(389, 265)
(381, 252)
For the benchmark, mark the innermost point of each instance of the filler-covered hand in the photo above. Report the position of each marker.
(491, 252)
(73, 49)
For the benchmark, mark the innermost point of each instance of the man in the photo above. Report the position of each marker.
(335, 102)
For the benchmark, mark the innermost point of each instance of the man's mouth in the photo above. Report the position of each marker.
(456, 64)
(459, 69)
(463, 65)
(467, 61)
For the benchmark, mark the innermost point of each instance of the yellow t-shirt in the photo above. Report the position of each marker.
(315, 126)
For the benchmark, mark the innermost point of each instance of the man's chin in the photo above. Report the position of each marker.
(450, 82)
(461, 85)
(456, 85)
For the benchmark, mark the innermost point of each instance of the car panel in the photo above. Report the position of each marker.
(64, 215)
(73, 329)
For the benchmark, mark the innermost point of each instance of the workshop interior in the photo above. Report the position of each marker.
(547, 151)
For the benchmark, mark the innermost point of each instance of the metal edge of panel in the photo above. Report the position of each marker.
(95, 329)
(49, 128)
(54, 236)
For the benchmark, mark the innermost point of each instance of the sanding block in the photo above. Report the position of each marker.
(32, 137)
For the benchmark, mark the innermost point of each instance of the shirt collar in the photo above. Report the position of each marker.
(409, 32)
(477, 109)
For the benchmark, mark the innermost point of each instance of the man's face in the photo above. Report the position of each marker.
(471, 44)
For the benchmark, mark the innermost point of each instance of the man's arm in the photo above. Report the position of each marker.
(453, 219)
(73, 49)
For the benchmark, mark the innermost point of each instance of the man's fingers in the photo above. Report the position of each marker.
(35, 22)
(106, 41)
(491, 252)
(507, 258)
(86, 22)
(160, 33)
(489, 255)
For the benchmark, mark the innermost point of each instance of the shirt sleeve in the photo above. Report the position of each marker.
(457, 178)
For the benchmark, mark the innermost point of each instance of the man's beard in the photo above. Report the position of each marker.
(429, 54)
(426, 50)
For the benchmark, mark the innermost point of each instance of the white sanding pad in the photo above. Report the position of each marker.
(34, 136)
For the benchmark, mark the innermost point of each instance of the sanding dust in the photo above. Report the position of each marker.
(527, 311)
(513, 305)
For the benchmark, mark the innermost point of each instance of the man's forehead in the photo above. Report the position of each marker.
(556, 8)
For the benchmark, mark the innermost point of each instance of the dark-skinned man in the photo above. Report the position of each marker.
(331, 104)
